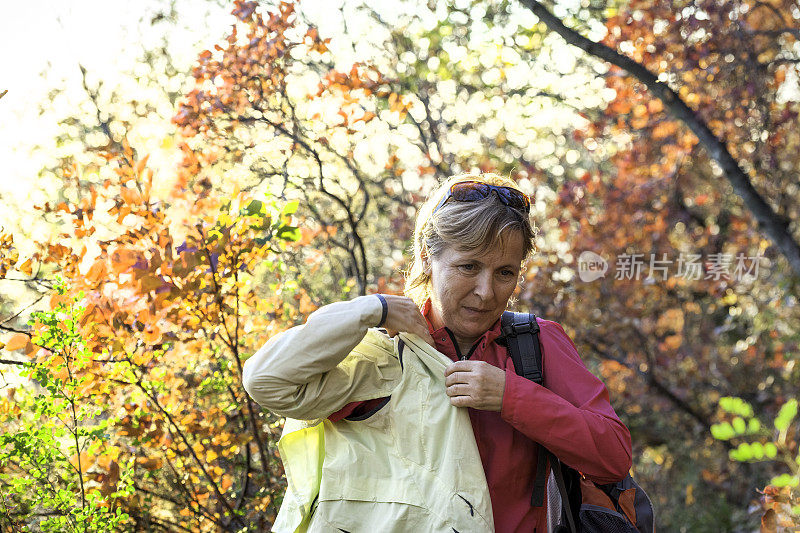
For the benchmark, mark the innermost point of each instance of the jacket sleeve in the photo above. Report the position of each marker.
(572, 415)
(313, 370)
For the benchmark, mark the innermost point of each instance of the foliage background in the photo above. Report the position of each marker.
(291, 156)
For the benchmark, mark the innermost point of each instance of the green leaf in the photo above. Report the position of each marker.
(723, 431)
(742, 453)
(289, 233)
(785, 480)
(753, 426)
(739, 426)
(256, 207)
(736, 406)
(290, 208)
(785, 416)
(770, 450)
(757, 451)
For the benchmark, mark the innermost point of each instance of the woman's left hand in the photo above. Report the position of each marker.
(475, 384)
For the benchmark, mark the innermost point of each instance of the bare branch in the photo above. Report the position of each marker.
(770, 222)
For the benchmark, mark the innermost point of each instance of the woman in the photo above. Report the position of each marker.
(471, 239)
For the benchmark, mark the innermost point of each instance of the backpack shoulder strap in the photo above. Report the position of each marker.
(522, 333)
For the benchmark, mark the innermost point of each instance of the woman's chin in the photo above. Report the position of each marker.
(472, 329)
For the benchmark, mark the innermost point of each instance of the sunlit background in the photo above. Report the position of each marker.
(611, 171)
(45, 44)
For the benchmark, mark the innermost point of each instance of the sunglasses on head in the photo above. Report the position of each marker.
(473, 191)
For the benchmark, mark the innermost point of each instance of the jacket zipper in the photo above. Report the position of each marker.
(459, 355)
(455, 345)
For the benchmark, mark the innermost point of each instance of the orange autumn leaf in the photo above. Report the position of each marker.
(131, 196)
(17, 341)
(26, 267)
(122, 259)
(152, 335)
(97, 272)
(59, 299)
(62, 374)
(141, 164)
(84, 461)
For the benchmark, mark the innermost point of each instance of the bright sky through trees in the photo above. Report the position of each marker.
(43, 45)
(106, 38)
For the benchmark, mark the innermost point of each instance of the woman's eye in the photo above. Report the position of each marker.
(508, 273)
(469, 267)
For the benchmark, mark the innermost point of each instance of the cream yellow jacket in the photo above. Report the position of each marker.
(412, 466)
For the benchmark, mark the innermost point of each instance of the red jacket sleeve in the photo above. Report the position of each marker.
(572, 415)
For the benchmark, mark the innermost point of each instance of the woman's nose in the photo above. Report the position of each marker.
(483, 287)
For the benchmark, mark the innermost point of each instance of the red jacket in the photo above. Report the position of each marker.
(572, 417)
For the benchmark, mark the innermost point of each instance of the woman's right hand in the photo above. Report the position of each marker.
(404, 315)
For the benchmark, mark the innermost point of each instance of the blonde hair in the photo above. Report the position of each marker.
(477, 225)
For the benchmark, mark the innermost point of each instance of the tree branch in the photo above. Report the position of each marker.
(13, 362)
(770, 222)
(649, 377)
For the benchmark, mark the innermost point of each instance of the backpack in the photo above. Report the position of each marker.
(587, 507)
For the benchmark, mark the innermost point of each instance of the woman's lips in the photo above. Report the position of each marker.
(475, 310)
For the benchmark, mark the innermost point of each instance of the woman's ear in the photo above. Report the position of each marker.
(426, 261)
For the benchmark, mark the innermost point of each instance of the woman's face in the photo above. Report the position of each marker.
(470, 289)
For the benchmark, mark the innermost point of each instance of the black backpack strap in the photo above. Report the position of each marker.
(522, 335)
(540, 480)
(522, 332)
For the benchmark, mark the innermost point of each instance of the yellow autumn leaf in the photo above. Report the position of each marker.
(26, 267)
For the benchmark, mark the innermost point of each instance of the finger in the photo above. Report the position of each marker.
(419, 327)
(426, 336)
(419, 322)
(456, 377)
(459, 389)
(399, 308)
(461, 401)
(404, 315)
(460, 366)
